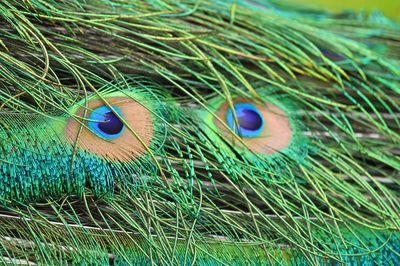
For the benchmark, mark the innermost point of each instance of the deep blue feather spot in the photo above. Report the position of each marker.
(113, 125)
(250, 119)
(105, 123)
(332, 55)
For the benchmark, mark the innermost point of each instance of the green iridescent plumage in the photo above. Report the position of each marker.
(175, 183)
(39, 161)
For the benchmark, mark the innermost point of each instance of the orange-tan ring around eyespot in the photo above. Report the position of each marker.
(124, 148)
(277, 132)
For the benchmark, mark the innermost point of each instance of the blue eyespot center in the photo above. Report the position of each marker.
(250, 119)
(105, 123)
(112, 125)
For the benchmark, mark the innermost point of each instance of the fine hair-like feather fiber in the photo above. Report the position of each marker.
(197, 133)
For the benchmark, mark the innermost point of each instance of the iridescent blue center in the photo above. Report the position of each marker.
(105, 123)
(111, 125)
(250, 119)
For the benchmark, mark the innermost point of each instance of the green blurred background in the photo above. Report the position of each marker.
(390, 8)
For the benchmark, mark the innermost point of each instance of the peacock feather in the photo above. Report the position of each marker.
(165, 132)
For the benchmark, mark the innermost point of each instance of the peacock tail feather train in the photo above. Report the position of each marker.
(197, 133)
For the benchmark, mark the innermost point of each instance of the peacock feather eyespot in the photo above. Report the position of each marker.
(117, 127)
(266, 129)
(106, 139)
(105, 123)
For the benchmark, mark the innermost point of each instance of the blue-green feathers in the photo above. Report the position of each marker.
(197, 132)
(52, 155)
